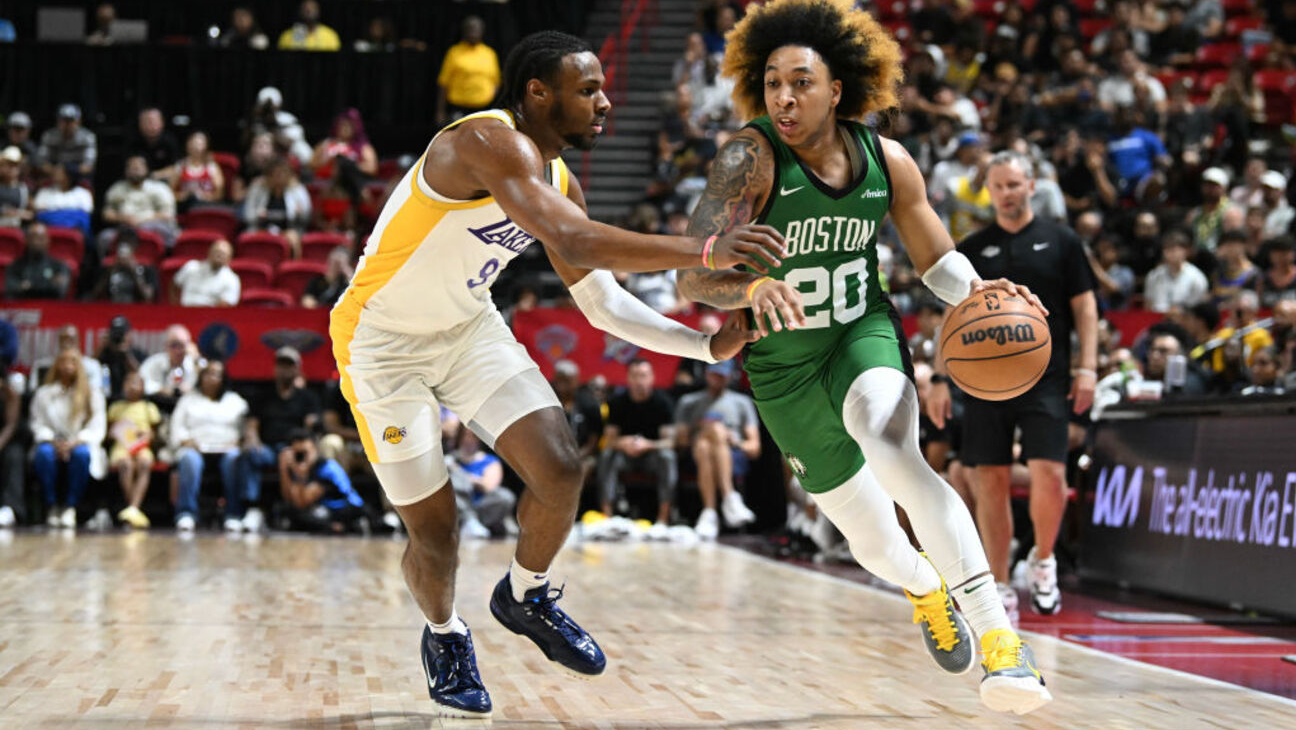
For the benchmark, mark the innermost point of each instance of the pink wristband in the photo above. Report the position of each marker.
(706, 252)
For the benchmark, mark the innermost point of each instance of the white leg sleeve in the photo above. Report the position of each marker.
(881, 413)
(412, 480)
(866, 516)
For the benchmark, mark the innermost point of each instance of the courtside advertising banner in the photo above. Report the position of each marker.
(1202, 507)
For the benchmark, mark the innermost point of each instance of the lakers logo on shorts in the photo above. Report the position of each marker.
(393, 435)
(797, 465)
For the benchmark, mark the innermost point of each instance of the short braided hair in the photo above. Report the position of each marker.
(537, 56)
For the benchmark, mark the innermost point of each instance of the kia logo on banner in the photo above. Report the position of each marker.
(1201, 507)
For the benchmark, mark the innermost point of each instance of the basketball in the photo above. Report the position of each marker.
(995, 346)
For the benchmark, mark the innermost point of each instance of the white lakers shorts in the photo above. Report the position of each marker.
(396, 384)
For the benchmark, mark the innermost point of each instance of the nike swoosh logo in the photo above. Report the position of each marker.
(785, 191)
(966, 591)
(1040, 246)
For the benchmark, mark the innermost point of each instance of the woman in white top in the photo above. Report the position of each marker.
(63, 203)
(206, 426)
(68, 426)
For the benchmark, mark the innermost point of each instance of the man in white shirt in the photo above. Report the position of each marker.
(174, 371)
(1278, 213)
(140, 202)
(1175, 282)
(1118, 90)
(209, 283)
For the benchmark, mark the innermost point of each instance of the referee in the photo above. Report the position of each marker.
(1049, 258)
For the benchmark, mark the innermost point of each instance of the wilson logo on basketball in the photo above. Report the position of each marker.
(1000, 334)
(393, 435)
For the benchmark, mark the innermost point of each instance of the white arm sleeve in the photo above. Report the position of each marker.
(951, 277)
(614, 310)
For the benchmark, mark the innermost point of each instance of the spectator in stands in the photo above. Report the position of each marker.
(720, 427)
(170, 374)
(1144, 249)
(1206, 220)
(1176, 282)
(13, 455)
(1250, 192)
(583, 413)
(139, 202)
(279, 203)
(208, 283)
(346, 155)
(1188, 127)
(719, 19)
(1234, 272)
(1278, 284)
(63, 203)
(316, 490)
(478, 478)
(196, 179)
(691, 67)
(276, 413)
(35, 274)
(14, 207)
(964, 67)
(105, 16)
(1123, 24)
(325, 289)
(119, 354)
(1278, 213)
(18, 134)
(1177, 43)
(1207, 16)
(69, 338)
(1237, 105)
(243, 32)
(205, 430)
(640, 436)
(153, 141)
(1085, 173)
(1138, 156)
(131, 421)
(967, 201)
(1163, 347)
(308, 33)
(967, 155)
(922, 344)
(341, 440)
(69, 143)
(286, 132)
(1115, 280)
(1266, 374)
(68, 426)
(127, 281)
(469, 76)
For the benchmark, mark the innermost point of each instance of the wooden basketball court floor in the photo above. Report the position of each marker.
(155, 631)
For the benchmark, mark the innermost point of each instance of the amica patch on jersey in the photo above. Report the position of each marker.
(393, 435)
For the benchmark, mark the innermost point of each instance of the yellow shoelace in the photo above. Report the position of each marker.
(940, 622)
(1002, 653)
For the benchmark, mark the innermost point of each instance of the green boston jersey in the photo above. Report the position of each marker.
(831, 240)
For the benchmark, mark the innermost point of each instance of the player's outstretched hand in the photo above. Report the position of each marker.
(760, 247)
(979, 285)
(777, 305)
(733, 336)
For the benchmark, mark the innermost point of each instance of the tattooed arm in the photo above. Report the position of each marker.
(737, 188)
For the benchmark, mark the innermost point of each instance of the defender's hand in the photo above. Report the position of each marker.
(939, 404)
(780, 303)
(732, 337)
(1020, 290)
(760, 247)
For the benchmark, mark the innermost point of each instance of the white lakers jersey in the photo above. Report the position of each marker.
(430, 261)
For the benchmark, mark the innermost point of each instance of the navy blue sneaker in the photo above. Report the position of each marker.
(538, 618)
(453, 682)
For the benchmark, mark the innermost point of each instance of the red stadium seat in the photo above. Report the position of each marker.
(1210, 80)
(194, 243)
(253, 273)
(1218, 55)
(1171, 79)
(267, 298)
(66, 244)
(317, 246)
(1233, 27)
(1091, 27)
(293, 276)
(262, 246)
(1258, 54)
(389, 168)
(12, 243)
(901, 29)
(166, 272)
(1238, 7)
(151, 248)
(229, 164)
(1089, 7)
(1276, 80)
(885, 10)
(214, 219)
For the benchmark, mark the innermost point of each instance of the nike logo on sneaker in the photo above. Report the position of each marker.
(785, 191)
(1040, 246)
(966, 591)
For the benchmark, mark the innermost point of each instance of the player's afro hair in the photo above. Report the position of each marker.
(537, 56)
(858, 51)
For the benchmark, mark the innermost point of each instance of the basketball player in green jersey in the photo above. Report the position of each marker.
(832, 378)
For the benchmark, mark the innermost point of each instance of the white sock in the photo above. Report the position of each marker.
(523, 580)
(866, 517)
(454, 625)
(979, 601)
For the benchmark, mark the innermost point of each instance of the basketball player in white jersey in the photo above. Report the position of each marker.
(416, 329)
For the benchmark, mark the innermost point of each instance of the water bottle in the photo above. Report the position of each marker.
(1176, 372)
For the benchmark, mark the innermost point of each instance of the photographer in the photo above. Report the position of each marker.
(317, 491)
(119, 354)
(127, 281)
